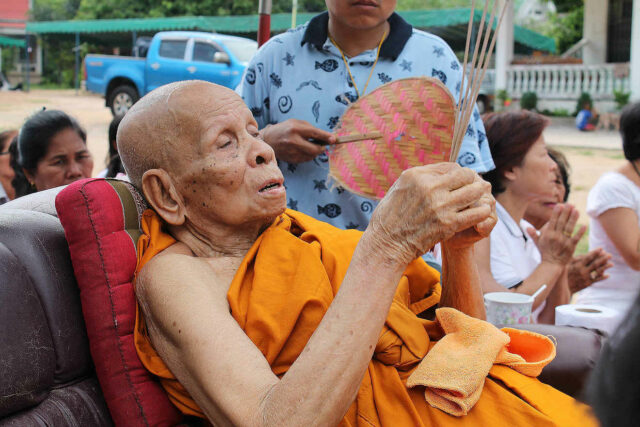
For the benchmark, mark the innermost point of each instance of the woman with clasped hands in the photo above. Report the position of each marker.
(516, 258)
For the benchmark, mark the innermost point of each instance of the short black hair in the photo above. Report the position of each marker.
(33, 142)
(563, 167)
(114, 167)
(630, 131)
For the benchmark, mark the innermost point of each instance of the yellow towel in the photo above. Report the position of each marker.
(455, 369)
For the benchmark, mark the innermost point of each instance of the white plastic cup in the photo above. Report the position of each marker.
(508, 308)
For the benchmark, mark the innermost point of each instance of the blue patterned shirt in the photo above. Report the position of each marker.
(301, 75)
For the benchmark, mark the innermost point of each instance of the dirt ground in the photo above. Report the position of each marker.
(587, 164)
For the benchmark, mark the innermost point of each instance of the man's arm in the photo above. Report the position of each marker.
(194, 333)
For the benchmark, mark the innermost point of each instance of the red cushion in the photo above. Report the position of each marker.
(101, 223)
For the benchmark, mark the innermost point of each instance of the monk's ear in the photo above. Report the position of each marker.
(162, 195)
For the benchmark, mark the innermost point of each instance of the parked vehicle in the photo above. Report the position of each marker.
(171, 56)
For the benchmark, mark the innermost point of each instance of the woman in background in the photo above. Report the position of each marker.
(6, 171)
(114, 167)
(515, 257)
(51, 151)
(614, 207)
(582, 270)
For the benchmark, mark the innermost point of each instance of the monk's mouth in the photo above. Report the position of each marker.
(270, 186)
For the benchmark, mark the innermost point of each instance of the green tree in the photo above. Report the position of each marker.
(54, 10)
(566, 28)
(58, 56)
(434, 4)
(115, 9)
(564, 6)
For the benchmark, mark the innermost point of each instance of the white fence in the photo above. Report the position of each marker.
(568, 81)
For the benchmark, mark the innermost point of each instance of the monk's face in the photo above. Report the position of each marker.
(227, 173)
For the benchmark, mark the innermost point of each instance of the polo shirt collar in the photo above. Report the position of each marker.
(399, 33)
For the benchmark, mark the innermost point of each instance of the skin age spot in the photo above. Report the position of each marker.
(174, 323)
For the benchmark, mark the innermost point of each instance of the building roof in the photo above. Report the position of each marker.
(8, 41)
(15, 10)
(425, 19)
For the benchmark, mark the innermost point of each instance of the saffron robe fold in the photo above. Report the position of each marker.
(279, 295)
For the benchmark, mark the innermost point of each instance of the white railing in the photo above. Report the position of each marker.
(568, 81)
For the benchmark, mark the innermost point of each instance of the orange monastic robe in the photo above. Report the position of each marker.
(279, 295)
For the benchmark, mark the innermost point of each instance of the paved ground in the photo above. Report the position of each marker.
(562, 132)
(590, 154)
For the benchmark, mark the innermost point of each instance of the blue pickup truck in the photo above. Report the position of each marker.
(172, 56)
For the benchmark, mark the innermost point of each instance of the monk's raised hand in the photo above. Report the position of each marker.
(429, 204)
(482, 229)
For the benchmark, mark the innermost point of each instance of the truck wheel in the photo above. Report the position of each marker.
(122, 98)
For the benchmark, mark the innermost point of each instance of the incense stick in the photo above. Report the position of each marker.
(469, 100)
(464, 100)
(477, 72)
(477, 83)
(464, 63)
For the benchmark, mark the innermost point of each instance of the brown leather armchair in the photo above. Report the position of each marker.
(46, 372)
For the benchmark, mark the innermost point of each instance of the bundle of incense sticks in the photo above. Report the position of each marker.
(477, 70)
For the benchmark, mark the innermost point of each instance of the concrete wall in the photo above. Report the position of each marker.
(635, 52)
(596, 13)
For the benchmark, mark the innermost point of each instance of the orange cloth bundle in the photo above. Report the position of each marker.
(455, 369)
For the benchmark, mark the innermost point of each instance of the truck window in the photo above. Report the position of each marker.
(172, 48)
(204, 51)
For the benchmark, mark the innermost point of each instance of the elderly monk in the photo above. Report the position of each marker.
(251, 314)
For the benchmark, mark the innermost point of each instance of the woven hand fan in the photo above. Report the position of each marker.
(409, 122)
(412, 121)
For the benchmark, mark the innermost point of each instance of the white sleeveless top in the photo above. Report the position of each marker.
(613, 190)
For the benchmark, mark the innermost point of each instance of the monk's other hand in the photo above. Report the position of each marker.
(296, 141)
(426, 205)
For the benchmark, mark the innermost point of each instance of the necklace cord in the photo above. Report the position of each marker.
(349, 69)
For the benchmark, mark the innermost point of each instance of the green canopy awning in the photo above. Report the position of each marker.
(8, 41)
(425, 19)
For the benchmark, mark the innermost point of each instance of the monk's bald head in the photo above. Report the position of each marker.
(163, 129)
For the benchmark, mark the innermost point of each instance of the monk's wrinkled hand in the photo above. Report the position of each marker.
(482, 229)
(426, 205)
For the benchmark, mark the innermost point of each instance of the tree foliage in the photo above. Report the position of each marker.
(564, 6)
(115, 9)
(566, 28)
